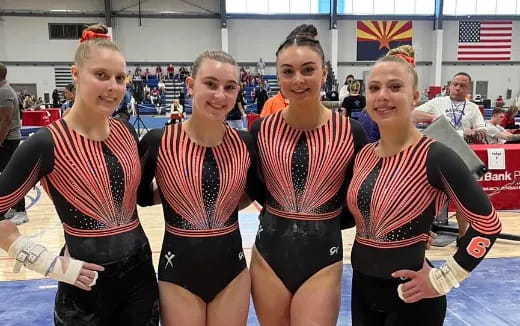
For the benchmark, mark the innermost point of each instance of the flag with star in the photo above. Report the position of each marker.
(376, 37)
(485, 40)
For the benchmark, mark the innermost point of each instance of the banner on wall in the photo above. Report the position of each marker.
(485, 40)
(376, 37)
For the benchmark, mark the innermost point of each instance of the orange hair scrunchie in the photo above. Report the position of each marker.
(90, 35)
(408, 59)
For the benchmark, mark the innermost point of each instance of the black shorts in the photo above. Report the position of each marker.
(202, 265)
(126, 293)
(298, 249)
(375, 302)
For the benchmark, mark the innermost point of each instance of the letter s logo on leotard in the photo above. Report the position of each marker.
(240, 255)
(333, 251)
(478, 247)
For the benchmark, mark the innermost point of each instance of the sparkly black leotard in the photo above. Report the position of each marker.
(305, 175)
(394, 201)
(93, 185)
(200, 188)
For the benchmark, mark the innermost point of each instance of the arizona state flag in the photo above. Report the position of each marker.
(376, 37)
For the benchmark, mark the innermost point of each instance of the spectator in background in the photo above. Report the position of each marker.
(274, 104)
(267, 87)
(131, 107)
(158, 73)
(161, 86)
(260, 98)
(147, 91)
(242, 74)
(128, 78)
(146, 75)
(171, 72)
(499, 102)
(496, 134)
(234, 117)
(181, 98)
(345, 89)
(370, 126)
(138, 73)
(69, 93)
(55, 98)
(156, 96)
(354, 102)
(183, 73)
(509, 120)
(10, 137)
(260, 67)
(39, 103)
(28, 101)
(176, 112)
(122, 111)
(333, 94)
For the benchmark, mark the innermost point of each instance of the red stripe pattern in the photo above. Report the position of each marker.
(81, 175)
(485, 40)
(400, 194)
(10, 199)
(330, 149)
(485, 224)
(179, 177)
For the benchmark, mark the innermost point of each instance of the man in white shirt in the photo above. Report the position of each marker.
(496, 134)
(463, 115)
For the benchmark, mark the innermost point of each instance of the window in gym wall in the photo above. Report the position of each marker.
(481, 7)
(66, 31)
(386, 7)
(277, 6)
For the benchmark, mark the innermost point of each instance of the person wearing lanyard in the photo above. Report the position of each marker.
(463, 115)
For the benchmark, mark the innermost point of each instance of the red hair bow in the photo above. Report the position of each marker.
(89, 35)
(408, 59)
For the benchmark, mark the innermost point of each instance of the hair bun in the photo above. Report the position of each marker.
(95, 31)
(304, 30)
(97, 28)
(406, 50)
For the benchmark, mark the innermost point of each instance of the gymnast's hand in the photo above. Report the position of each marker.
(418, 287)
(88, 276)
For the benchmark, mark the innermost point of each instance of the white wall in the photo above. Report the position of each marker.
(42, 76)
(27, 39)
(192, 6)
(91, 5)
(251, 39)
(3, 44)
(166, 40)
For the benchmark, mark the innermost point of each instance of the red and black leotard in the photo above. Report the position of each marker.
(395, 199)
(200, 189)
(305, 175)
(93, 185)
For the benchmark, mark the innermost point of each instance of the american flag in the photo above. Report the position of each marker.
(485, 40)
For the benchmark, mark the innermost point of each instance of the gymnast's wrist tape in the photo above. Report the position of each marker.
(37, 258)
(448, 276)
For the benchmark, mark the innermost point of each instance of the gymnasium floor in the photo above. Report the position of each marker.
(490, 297)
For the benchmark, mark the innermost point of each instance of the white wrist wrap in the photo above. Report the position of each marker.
(448, 276)
(37, 258)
